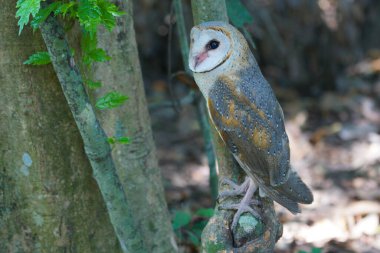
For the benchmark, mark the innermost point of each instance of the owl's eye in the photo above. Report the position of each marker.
(214, 44)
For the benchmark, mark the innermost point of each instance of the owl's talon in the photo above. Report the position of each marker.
(240, 211)
(237, 190)
(230, 183)
(245, 204)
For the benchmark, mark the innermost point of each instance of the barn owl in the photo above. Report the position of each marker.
(247, 116)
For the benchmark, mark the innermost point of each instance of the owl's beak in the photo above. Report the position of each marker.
(200, 58)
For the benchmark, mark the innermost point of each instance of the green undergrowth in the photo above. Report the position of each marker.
(188, 226)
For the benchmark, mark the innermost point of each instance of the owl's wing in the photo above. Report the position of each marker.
(252, 127)
(250, 114)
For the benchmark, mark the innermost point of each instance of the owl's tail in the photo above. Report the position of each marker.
(289, 194)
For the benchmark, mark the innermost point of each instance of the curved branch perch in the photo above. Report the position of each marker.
(254, 236)
(251, 235)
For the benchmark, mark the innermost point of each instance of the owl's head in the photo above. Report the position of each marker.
(212, 45)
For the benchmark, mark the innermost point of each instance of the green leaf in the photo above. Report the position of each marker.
(111, 100)
(110, 8)
(181, 219)
(118, 140)
(90, 51)
(39, 58)
(111, 140)
(115, 12)
(123, 140)
(92, 84)
(107, 18)
(64, 8)
(89, 15)
(25, 9)
(99, 55)
(43, 14)
(316, 250)
(109, 12)
(205, 212)
(238, 13)
(92, 13)
(95, 55)
(88, 42)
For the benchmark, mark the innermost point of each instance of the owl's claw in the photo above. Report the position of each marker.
(245, 204)
(237, 190)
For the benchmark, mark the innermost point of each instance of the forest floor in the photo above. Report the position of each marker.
(335, 147)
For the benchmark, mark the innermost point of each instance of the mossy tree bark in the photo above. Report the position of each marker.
(136, 162)
(94, 138)
(49, 201)
(252, 235)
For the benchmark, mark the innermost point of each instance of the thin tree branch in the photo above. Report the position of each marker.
(198, 102)
(207, 137)
(182, 34)
(95, 140)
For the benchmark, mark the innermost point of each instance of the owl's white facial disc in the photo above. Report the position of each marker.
(209, 48)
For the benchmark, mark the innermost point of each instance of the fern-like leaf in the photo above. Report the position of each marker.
(92, 84)
(25, 8)
(43, 14)
(39, 58)
(111, 100)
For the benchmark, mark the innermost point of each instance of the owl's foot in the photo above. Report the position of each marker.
(245, 204)
(237, 190)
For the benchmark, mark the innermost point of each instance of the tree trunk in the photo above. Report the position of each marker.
(49, 201)
(256, 235)
(136, 162)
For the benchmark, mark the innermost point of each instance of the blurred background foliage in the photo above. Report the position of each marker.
(322, 58)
